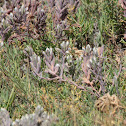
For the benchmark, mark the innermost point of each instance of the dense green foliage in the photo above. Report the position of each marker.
(95, 22)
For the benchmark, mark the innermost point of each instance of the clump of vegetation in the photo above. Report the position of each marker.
(111, 107)
(39, 118)
(66, 55)
(66, 68)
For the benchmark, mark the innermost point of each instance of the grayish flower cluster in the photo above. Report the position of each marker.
(35, 60)
(61, 10)
(4, 118)
(21, 18)
(73, 66)
(39, 118)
